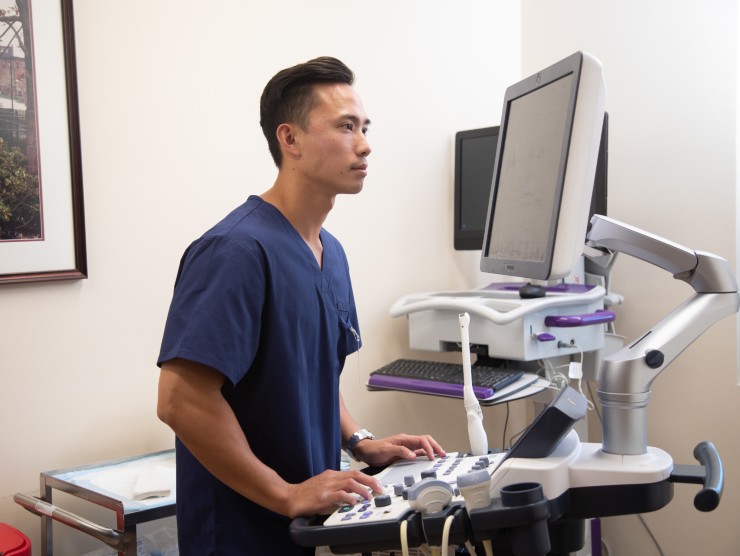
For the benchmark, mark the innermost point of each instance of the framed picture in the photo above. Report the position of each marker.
(42, 224)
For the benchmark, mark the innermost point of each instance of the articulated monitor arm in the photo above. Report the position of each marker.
(704, 272)
(626, 376)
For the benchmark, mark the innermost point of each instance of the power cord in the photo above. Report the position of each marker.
(558, 380)
(649, 532)
(593, 400)
(575, 372)
(506, 425)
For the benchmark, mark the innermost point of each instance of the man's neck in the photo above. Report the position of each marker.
(305, 212)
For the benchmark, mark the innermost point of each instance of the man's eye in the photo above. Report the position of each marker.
(349, 126)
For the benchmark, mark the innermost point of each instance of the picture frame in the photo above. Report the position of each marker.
(58, 249)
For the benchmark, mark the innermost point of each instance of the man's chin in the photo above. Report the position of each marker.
(354, 190)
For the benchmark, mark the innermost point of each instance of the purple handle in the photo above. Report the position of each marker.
(569, 321)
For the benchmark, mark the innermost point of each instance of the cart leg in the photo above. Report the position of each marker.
(47, 540)
(129, 541)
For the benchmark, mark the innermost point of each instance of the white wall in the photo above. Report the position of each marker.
(169, 96)
(671, 71)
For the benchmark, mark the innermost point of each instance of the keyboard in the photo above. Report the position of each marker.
(446, 379)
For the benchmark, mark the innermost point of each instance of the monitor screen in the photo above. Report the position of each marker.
(544, 171)
(475, 154)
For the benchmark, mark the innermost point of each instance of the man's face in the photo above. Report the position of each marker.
(334, 146)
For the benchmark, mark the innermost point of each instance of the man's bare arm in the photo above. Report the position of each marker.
(191, 403)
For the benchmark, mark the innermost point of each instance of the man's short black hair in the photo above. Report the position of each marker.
(288, 97)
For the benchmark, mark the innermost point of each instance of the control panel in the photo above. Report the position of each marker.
(420, 485)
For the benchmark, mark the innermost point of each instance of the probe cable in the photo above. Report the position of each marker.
(446, 534)
(404, 538)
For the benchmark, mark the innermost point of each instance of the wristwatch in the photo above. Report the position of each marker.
(353, 440)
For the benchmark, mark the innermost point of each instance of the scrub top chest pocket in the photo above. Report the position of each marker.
(349, 338)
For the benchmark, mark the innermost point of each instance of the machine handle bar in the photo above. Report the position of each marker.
(569, 321)
(111, 537)
(708, 497)
(709, 474)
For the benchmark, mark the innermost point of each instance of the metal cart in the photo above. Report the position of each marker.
(109, 484)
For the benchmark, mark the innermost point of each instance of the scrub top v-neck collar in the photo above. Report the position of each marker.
(325, 266)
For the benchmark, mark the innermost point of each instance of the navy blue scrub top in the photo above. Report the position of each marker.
(251, 301)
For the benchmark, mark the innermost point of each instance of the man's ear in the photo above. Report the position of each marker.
(286, 135)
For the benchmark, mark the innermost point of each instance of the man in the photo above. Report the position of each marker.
(261, 321)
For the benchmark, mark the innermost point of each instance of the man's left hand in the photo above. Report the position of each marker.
(384, 451)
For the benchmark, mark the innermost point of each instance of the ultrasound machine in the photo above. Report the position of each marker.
(536, 497)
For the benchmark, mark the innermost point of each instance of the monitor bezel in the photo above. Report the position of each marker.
(559, 250)
(600, 193)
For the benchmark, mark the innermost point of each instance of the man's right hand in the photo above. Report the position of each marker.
(325, 492)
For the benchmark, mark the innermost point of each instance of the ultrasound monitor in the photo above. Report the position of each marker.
(544, 172)
(475, 154)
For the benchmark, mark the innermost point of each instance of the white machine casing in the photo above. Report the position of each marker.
(508, 326)
(572, 464)
(576, 464)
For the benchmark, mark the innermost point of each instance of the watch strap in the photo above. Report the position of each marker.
(353, 440)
